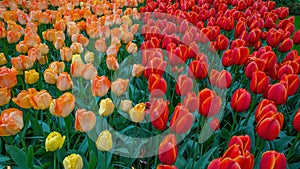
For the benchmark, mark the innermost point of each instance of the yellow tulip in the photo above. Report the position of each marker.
(104, 141)
(54, 141)
(3, 60)
(73, 161)
(31, 76)
(125, 105)
(137, 113)
(77, 58)
(106, 107)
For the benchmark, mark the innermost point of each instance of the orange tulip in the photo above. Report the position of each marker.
(168, 151)
(209, 103)
(100, 86)
(50, 76)
(76, 48)
(13, 36)
(89, 71)
(131, 47)
(23, 99)
(5, 96)
(241, 100)
(22, 62)
(137, 70)
(272, 160)
(64, 82)
(11, 122)
(40, 100)
(62, 106)
(77, 69)
(119, 86)
(89, 57)
(112, 62)
(84, 120)
(66, 54)
(100, 45)
(8, 77)
(159, 113)
(181, 120)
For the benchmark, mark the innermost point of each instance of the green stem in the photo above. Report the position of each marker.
(234, 122)
(105, 156)
(251, 109)
(197, 147)
(293, 146)
(260, 147)
(54, 160)
(23, 142)
(67, 133)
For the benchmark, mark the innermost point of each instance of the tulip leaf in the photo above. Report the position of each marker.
(30, 156)
(92, 160)
(204, 160)
(17, 155)
(180, 162)
(4, 159)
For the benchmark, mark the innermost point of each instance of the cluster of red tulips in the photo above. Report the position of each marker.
(192, 52)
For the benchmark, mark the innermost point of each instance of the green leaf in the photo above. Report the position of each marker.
(30, 156)
(17, 155)
(93, 160)
(4, 159)
(204, 160)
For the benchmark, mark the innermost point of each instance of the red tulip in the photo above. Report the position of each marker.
(241, 100)
(198, 69)
(157, 85)
(296, 121)
(181, 120)
(220, 79)
(214, 124)
(227, 58)
(237, 154)
(168, 151)
(155, 66)
(270, 60)
(191, 101)
(293, 83)
(178, 55)
(259, 82)
(226, 163)
(264, 107)
(243, 141)
(296, 38)
(278, 93)
(282, 12)
(184, 85)
(209, 103)
(272, 160)
(222, 42)
(274, 38)
(286, 45)
(159, 112)
(162, 166)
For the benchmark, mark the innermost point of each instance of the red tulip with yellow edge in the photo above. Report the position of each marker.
(259, 82)
(293, 83)
(191, 101)
(198, 69)
(296, 121)
(243, 141)
(159, 113)
(157, 85)
(272, 160)
(168, 151)
(264, 107)
(209, 103)
(278, 93)
(184, 85)
(181, 120)
(241, 100)
(11, 122)
(162, 166)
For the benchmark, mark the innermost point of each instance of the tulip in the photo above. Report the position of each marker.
(31, 76)
(178, 55)
(222, 42)
(240, 100)
(106, 107)
(214, 124)
(62, 106)
(243, 141)
(137, 70)
(57, 66)
(104, 141)
(278, 93)
(227, 163)
(191, 101)
(168, 151)
(181, 120)
(296, 121)
(8, 77)
(54, 141)
(198, 69)
(11, 122)
(100, 86)
(89, 57)
(272, 160)
(40, 100)
(184, 85)
(64, 82)
(89, 72)
(244, 159)
(126, 105)
(286, 45)
(259, 82)
(137, 113)
(293, 83)
(296, 38)
(269, 126)
(157, 85)
(22, 62)
(159, 113)
(73, 161)
(119, 86)
(155, 66)
(84, 120)
(162, 166)
(3, 60)
(220, 79)
(264, 107)
(131, 47)
(23, 99)
(50, 76)
(76, 69)
(5, 96)
(209, 103)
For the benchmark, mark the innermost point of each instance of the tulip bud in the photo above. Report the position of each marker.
(106, 107)
(241, 100)
(191, 101)
(5, 96)
(100, 86)
(64, 82)
(159, 113)
(89, 71)
(137, 113)
(272, 159)
(296, 121)
(209, 103)
(3, 60)
(73, 161)
(243, 141)
(157, 85)
(31, 76)
(214, 124)
(54, 141)
(89, 57)
(104, 141)
(11, 122)
(62, 106)
(259, 82)
(119, 86)
(126, 105)
(8, 77)
(168, 151)
(162, 166)
(40, 100)
(137, 70)
(181, 120)
(184, 85)
(84, 120)
(278, 93)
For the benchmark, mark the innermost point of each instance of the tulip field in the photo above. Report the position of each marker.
(149, 84)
